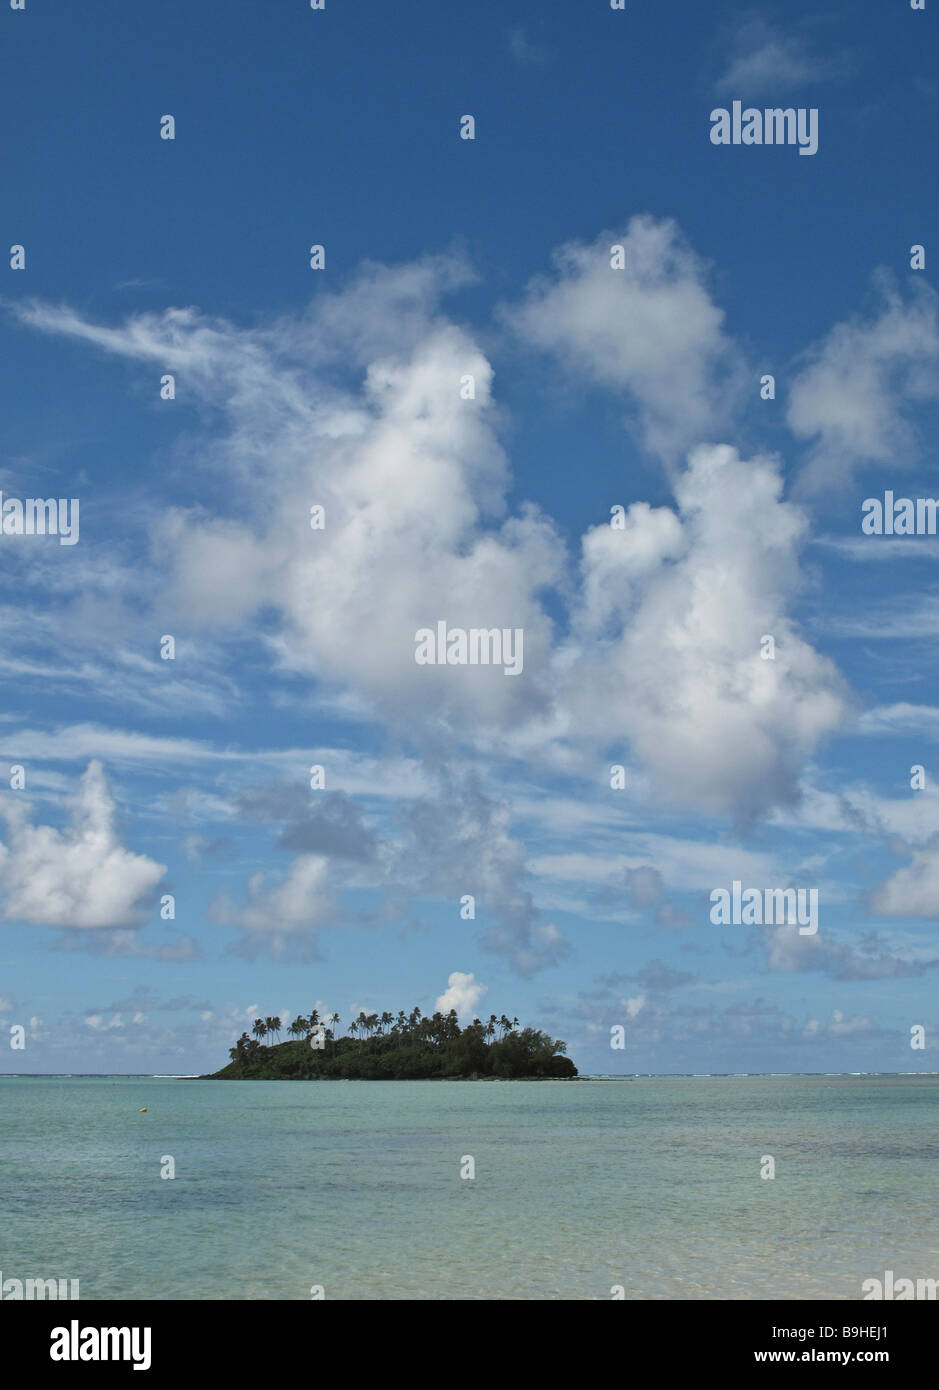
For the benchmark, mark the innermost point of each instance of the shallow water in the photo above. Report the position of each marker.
(651, 1183)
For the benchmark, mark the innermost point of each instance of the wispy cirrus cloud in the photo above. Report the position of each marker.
(764, 60)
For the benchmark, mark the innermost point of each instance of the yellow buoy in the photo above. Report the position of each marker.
(142, 1110)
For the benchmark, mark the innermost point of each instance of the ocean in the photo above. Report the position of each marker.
(354, 1188)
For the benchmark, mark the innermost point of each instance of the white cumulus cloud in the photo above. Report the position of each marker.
(851, 400)
(80, 876)
(463, 993)
(651, 330)
(680, 672)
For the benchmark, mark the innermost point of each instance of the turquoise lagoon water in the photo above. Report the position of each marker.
(651, 1183)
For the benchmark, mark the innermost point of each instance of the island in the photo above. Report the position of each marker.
(411, 1047)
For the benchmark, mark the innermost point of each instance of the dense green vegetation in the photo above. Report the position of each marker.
(409, 1047)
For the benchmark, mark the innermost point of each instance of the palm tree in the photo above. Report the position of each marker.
(335, 1019)
(276, 1026)
(385, 1020)
(260, 1028)
(298, 1027)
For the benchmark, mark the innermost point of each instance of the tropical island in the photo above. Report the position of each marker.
(411, 1047)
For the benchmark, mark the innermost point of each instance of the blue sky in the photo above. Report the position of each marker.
(595, 388)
